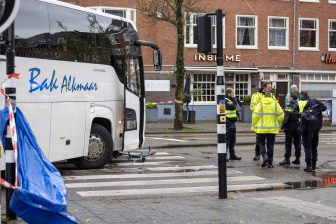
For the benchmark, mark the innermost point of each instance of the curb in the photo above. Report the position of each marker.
(209, 132)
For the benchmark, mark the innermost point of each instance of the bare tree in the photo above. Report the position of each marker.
(172, 11)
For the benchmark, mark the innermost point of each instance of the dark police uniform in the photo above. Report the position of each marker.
(310, 131)
(231, 118)
(291, 126)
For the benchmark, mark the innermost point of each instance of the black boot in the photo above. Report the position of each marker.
(314, 165)
(284, 162)
(296, 161)
(265, 161)
(309, 166)
(234, 157)
(256, 158)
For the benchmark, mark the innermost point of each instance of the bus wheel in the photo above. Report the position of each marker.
(100, 149)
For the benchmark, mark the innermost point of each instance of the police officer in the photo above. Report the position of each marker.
(310, 128)
(231, 118)
(266, 120)
(291, 126)
(255, 99)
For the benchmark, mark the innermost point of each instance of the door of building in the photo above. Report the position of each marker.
(281, 91)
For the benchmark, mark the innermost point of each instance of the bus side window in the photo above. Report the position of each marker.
(32, 35)
(72, 35)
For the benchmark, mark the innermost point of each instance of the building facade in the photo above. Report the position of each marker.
(281, 41)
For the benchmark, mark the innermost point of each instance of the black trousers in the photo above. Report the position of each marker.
(231, 137)
(257, 149)
(266, 140)
(293, 133)
(310, 139)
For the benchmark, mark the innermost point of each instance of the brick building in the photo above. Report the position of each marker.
(282, 41)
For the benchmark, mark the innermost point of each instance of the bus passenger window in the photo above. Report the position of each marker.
(32, 36)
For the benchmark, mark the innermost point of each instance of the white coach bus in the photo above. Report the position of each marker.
(81, 83)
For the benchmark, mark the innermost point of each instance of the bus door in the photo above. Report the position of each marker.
(134, 104)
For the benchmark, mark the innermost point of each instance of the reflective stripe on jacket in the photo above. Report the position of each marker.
(267, 117)
(230, 113)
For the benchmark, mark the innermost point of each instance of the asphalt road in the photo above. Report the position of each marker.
(179, 185)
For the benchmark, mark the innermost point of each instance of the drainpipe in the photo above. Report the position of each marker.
(294, 41)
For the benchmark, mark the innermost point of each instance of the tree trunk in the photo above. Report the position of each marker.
(178, 123)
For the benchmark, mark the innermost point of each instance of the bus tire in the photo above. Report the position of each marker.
(100, 149)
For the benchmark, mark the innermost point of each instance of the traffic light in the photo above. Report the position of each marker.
(204, 34)
(8, 12)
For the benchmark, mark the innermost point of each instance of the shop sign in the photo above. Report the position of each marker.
(329, 59)
(227, 57)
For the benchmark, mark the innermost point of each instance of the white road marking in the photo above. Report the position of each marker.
(302, 206)
(165, 157)
(179, 168)
(179, 190)
(167, 139)
(161, 153)
(142, 163)
(144, 175)
(159, 182)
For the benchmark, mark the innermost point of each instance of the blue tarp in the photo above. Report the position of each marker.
(41, 196)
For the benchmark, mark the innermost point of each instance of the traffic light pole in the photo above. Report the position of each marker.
(221, 118)
(11, 91)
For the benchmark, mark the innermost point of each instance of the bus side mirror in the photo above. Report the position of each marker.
(157, 60)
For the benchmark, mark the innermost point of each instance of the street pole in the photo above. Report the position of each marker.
(221, 118)
(10, 90)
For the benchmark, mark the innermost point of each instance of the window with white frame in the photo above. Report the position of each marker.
(126, 13)
(246, 32)
(332, 35)
(191, 30)
(241, 85)
(204, 88)
(277, 32)
(309, 34)
(309, 0)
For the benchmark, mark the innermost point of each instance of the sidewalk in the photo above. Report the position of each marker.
(165, 127)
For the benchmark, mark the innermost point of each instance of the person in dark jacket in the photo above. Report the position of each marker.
(291, 127)
(310, 129)
(231, 119)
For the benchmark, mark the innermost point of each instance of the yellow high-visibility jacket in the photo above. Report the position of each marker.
(256, 98)
(267, 117)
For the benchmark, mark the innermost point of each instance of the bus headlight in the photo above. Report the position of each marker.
(130, 120)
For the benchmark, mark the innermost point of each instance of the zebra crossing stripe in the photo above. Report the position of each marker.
(144, 175)
(162, 153)
(179, 190)
(302, 206)
(159, 182)
(142, 163)
(181, 168)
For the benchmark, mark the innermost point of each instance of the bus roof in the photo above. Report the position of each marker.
(80, 8)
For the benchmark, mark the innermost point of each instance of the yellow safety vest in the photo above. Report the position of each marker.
(230, 113)
(267, 117)
(302, 104)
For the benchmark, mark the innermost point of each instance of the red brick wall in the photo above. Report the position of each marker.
(164, 34)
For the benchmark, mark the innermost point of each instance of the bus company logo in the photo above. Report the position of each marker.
(68, 84)
(329, 59)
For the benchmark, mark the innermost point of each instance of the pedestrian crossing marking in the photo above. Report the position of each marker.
(302, 206)
(181, 168)
(145, 175)
(160, 182)
(141, 163)
(178, 190)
